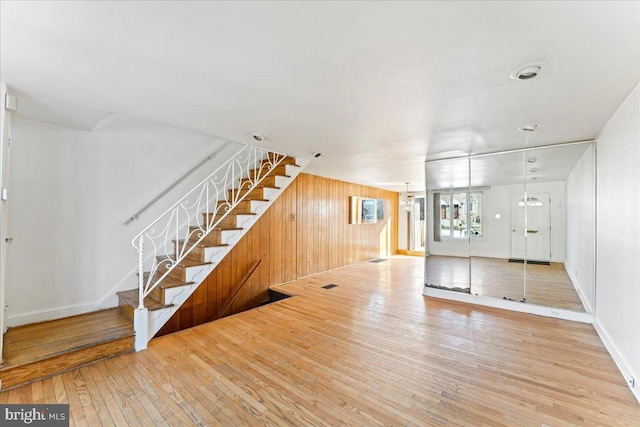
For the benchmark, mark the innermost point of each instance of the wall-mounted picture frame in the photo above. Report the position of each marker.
(363, 210)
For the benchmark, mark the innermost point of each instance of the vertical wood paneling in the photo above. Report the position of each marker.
(306, 231)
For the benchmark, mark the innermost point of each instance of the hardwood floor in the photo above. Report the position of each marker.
(547, 285)
(371, 351)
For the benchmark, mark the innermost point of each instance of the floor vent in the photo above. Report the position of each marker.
(329, 286)
(532, 262)
(378, 260)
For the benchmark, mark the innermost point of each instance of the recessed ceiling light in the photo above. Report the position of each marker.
(527, 71)
(529, 127)
(532, 159)
(258, 136)
(533, 170)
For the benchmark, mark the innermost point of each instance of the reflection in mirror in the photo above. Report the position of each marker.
(363, 210)
(497, 180)
(449, 225)
(559, 239)
(516, 226)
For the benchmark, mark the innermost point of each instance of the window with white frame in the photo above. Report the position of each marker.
(461, 214)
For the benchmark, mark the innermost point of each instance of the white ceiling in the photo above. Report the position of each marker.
(376, 86)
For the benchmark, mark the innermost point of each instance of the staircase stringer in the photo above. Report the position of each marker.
(175, 297)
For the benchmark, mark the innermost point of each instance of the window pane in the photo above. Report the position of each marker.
(476, 214)
(445, 214)
(460, 215)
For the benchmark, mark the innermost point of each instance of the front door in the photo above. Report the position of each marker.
(530, 227)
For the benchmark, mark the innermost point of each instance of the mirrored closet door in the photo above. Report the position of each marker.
(517, 226)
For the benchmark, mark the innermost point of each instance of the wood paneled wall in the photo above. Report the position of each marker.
(305, 231)
(326, 240)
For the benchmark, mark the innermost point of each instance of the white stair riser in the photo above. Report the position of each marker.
(281, 181)
(244, 221)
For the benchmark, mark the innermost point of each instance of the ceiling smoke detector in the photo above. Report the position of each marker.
(528, 71)
(529, 127)
(258, 136)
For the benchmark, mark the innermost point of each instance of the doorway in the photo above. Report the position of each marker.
(417, 224)
(530, 227)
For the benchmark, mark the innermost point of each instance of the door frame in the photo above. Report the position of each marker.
(5, 143)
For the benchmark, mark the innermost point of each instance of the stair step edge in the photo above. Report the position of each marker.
(133, 301)
(115, 337)
(191, 262)
(201, 244)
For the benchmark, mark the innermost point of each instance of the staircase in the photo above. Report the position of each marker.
(176, 253)
(179, 250)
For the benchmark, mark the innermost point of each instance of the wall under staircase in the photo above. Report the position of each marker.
(305, 231)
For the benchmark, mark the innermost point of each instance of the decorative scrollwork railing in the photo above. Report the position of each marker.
(180, 229)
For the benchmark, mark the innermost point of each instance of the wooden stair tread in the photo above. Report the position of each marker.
(185, 262)
(167, 282)
(132, 298)
(39, 341)
(202, 244)
(284, 176)
(230, 213)
(257, 186)
(224, 202)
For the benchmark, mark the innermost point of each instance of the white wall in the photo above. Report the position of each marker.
(618, 236)
(71, 189)
(580, 263)
(497, 232)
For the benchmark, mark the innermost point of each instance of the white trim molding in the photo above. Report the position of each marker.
(558, 313)
(623, 365)
(574, 282)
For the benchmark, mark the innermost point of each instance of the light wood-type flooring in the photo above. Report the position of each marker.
(547, 285)
(371, 351)
(35, 350)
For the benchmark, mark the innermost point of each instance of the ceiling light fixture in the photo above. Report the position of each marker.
(258, 136)
(407, 200)
(529, 127)
(527, 71)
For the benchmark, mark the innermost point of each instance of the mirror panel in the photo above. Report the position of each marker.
(560, 208)
(447, 243)
(497, 182)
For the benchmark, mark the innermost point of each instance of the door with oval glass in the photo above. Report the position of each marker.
(530, 227)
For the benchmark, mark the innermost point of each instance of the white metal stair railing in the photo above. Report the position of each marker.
(178, 230)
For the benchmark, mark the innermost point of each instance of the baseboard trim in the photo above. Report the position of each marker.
(410, 253)
(539, 310)
(576, 285)
(619, 359)
(51, 313)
